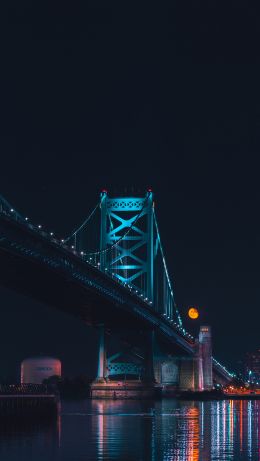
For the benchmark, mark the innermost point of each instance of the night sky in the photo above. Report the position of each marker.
(113, 95)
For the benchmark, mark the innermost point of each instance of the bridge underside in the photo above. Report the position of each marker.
(33, 266)
(54, 289)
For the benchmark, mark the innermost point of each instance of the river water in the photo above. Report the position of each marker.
(138, 431)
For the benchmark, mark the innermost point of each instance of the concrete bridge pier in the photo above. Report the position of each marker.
(190, 374)
(205, 355)
(175, 374)
(196, 371)
(142, 387)
(186, 373)
(162, 371)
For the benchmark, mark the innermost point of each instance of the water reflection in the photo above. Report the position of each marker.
(28, 439)
(139, 431)
(123, 430)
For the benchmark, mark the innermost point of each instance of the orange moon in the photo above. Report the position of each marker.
(193, 313)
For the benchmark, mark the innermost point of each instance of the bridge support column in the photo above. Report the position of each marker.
(191, 374)
(101, 373)
(205, 356)
(196, 372)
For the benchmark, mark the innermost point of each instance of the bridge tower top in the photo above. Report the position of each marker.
(127, 229)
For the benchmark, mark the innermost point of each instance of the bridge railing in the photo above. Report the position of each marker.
(24, 389)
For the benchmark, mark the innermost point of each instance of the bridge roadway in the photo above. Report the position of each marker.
(35, 264)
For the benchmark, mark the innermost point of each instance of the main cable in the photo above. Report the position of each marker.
(83, 224)
(165, 268)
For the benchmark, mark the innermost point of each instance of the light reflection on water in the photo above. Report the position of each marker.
(167, 430)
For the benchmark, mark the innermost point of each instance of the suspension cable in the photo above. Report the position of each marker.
(165, 268)
(83, 224)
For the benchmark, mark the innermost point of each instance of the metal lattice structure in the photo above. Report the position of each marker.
(116, 367)
(127, 228)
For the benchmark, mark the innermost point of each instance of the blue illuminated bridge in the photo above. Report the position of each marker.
(112, 273)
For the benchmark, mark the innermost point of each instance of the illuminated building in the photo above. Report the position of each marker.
(253, 366)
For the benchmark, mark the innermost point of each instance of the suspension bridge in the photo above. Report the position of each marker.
(111, 271)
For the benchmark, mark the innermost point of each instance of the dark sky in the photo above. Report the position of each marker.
(119, 96)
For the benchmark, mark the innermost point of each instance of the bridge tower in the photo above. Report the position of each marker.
(205, 355)
(127, 252)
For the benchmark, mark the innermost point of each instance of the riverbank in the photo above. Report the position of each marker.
(27, 400)
(216, 395)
